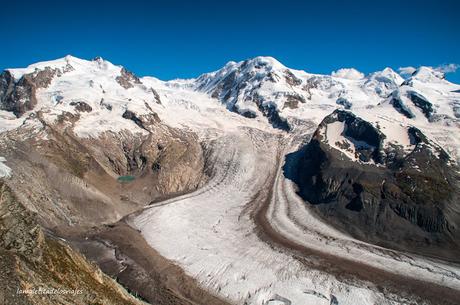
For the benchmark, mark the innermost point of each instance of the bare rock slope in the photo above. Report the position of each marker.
(407, 200)
(32, 261)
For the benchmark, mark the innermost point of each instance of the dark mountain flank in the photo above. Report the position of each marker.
(403, 201)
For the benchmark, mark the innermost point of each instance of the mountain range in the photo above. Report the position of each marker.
(253, 184)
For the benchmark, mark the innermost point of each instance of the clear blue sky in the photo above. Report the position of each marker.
(170, 39)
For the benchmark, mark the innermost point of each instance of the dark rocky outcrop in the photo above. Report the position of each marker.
(156, 96)
(127, 79)
(19, 97)
(409, 201)
(274, 118)
(343, 102)
(6, 86)
(421, 102)
(271, 113)
(81, 106)
(144, 121)
(400, 106)
(107, 106)
(291, 79)
(293, 100)
(246, 113)
(225, 88)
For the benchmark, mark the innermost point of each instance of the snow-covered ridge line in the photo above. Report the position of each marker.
(260, 87)
(68, 61)
(422, 72)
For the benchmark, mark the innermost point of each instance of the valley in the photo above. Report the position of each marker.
(254, 184)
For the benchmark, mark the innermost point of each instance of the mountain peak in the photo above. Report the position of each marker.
(59, 63)
(387, 75)
(388, 70)
(64, 64)
(427, 74)
(265, 61)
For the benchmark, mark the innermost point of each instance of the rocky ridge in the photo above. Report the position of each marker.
(404, 198)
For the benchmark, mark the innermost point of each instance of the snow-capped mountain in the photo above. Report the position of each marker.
(263, 82)
(103, 94)
(263, 86)
(398, 169)
(98, 91)
(383, 82)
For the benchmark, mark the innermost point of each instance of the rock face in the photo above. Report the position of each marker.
(81, 106)
(400, 106)
(144, 121)
(405, 100)
(127, 79)
(383, 197)
(344, 102)
(35, 262)
(19, 96)
(156, 96)
(421, 102)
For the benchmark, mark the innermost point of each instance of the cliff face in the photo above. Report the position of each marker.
(402, 199)
(20, 96)
(32, 261)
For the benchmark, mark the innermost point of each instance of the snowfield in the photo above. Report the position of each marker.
(5, 171)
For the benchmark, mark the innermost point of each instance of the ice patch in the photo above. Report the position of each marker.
(347, 145)
(5, 171)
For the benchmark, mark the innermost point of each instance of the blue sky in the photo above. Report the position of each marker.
(171, 39)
